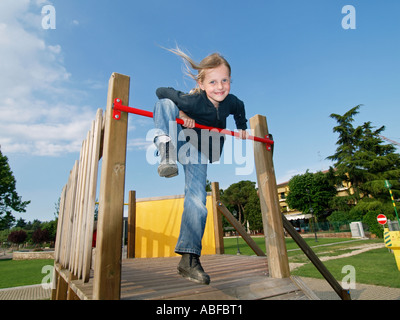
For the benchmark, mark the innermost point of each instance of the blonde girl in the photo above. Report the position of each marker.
(209, 104)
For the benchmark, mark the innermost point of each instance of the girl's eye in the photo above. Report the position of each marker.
(212, 82)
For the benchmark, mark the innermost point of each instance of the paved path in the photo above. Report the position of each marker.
(362, 291)
(35, 292)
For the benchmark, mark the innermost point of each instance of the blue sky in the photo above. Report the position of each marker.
(292, 61)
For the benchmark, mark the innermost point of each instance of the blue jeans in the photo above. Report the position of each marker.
(194, 164)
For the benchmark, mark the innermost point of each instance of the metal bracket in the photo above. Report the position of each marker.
(270, 147)
(116, 111)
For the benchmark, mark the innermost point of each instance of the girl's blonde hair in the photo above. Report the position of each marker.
(212, 61)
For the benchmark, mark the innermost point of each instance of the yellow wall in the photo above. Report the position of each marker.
(157, 227)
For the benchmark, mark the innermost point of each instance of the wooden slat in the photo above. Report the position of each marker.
(131, 224)
(91, 196)
(218, 228)
(343, 294)
(60, 224)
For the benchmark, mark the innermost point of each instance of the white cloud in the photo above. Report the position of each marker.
(36, 117)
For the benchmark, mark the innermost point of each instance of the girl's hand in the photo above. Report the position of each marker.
(187, 121)
(243, 134)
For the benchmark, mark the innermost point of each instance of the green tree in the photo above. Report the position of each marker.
(363, 160)
(346, 169)
(253, 212)
(9, 199)
(241, 197)
(311, 190)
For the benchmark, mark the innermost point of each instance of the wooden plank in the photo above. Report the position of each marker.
(300, 283)
(343, 294)
(67, 241)
(232, 278)
(239, 228)
(60, 224)
(218, 229)
(269, 201)
(107, 275)
(76, 211)
(91, 200)
(131, 224)
(83, 207)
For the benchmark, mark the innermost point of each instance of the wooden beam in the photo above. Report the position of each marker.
(218, 229)
(107, 270)
(278, 262)
(343, 294)
(131, 224)
(239, 228)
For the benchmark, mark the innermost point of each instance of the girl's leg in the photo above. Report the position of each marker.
(164, 116)
(195, 212)
(166, 133)
(193, 223)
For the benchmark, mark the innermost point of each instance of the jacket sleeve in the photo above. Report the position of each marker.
(176, 96)
(240, 115)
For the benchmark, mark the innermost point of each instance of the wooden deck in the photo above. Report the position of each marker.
(232, 278)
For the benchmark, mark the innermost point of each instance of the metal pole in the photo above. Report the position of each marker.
(388, 185)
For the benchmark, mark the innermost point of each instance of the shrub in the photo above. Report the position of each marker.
(17, 236)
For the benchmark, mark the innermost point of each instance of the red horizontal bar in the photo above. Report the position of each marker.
(119, 107)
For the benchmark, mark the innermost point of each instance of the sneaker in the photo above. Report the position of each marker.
(190, 268)
(168, 167)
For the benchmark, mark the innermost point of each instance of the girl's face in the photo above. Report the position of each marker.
(216, 84)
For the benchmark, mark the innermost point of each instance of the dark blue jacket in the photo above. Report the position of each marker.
(201, 109)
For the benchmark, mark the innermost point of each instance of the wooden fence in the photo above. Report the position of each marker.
(73, 251)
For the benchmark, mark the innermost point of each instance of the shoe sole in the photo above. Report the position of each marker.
(185, 275)
(167, 171)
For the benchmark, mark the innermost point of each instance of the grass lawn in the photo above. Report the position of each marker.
(377, 267)
(16, 273)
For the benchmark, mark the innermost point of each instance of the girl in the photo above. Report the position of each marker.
(209, 104)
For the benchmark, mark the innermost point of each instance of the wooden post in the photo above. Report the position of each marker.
(218, 229)
(131, 224)
(107, 271)
(278, 262)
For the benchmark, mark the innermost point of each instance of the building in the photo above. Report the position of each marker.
(299, 219)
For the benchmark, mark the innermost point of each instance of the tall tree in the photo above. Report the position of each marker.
(346, 169)
(9, 199)
(365, 161)
(311, 190)
(238, 196)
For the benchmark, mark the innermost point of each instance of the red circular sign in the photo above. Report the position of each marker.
(381, 219)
